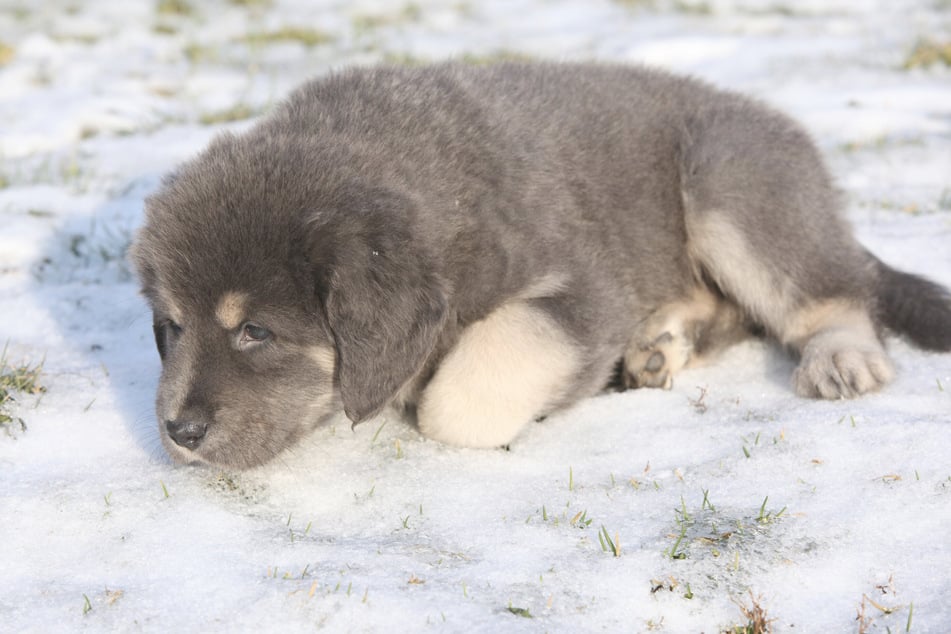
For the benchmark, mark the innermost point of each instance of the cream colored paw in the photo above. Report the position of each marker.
(839, 364)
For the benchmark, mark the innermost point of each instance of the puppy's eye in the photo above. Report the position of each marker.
(166, 334)
(252, 333)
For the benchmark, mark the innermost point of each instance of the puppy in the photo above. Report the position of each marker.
(486, 245)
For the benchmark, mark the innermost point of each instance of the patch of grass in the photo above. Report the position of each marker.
(704, 528)
(522, 612)
(467, 10)
(64, 169)
(404, 59)
(607, 544)
(636, 4)
(866, 618)
(706, 504)
(877, 143)
(78, 38)
(757, 621)
(683, 520)
(365, 497)
(581, 519)
(198, 53)
(377, 434)
(928, 53)
(944, 204)
(495, 57)
(781, 10)
(237, 112)
(912, 209)
(365, 22)
(16, 379)
(6, 53)
(693, 7)
(103, 245)
(699, 406)
(174, 7)
(765, 517)
(750, 440)
(161, 28)
(881, 142)
(301, 35)
(251, 3)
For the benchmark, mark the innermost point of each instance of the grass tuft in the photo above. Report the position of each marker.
(581, 519)
(404, 59)
(198, 53)
(607, 544)
(683, 520)
(377, 434)
(300, 35)
(706, 504)
(174, 7)
(16, 379)
(636, 4)
(366, 22)
(928, 53)
(6, 53)
(765, 517)
(237, 112)
(522, 612)
(755, 615)
(494, 57)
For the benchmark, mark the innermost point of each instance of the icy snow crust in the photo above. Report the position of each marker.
(376, 529)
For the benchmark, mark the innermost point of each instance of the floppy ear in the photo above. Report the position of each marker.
(383, 299)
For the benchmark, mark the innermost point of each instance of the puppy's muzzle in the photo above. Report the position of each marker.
(187, 434)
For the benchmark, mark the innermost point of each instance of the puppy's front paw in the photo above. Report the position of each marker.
(835, 369)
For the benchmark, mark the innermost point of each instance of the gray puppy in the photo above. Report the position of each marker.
(487, 245)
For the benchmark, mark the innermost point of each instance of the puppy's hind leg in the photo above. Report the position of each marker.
(841, 354)
(505, 371)
(762, 222)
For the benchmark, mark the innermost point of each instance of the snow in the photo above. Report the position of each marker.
(377, 529)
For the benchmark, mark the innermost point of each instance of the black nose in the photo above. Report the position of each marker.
(186, 433)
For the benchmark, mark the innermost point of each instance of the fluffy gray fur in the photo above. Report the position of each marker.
(378, 214)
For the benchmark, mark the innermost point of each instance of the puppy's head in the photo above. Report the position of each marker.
(281, 293)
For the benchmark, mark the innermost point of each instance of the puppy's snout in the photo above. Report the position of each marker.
(188, 434)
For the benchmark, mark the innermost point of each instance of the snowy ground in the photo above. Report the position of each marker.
(818, 508)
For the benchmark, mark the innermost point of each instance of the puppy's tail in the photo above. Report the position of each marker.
(914, 307)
